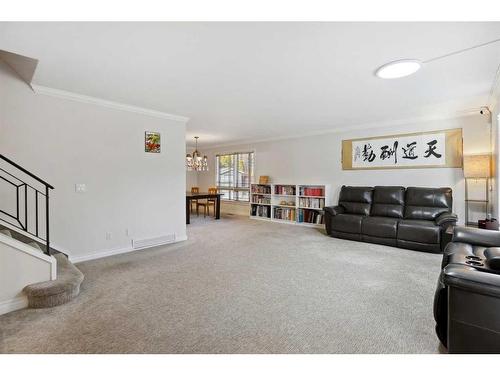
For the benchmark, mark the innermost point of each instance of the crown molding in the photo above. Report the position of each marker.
(372, 125)
(106, 103)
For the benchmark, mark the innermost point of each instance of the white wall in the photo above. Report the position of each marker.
(191, 179)
(68, 142)
(317, 159)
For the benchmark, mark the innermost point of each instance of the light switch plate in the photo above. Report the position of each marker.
(80, 188)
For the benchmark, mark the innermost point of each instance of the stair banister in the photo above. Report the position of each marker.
(18, 224)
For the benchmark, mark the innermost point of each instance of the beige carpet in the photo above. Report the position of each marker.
(242, 286)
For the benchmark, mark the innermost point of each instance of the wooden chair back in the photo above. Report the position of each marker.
(195, 189)
(212, 190)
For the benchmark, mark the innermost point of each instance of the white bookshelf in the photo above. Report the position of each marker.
(287, 203)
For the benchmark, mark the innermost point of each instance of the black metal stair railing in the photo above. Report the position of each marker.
(26, 215)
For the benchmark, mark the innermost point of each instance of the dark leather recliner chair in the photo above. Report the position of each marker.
(467, 299)
(413, 218)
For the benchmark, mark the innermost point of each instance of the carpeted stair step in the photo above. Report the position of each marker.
(6, 232)
(56, 292)
(35, 246)
(22, 237)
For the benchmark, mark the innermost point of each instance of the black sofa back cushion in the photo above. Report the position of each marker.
(356, 199)
(388, 201)
(427, 203)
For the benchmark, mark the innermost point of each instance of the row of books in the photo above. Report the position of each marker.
(261, 189)
(284, 213)
(261, 211)
(261, 199)
(312, 202)
(314, 217)
(284, 190)
(312, 191)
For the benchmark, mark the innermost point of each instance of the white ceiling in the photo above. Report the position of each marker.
(248, 81)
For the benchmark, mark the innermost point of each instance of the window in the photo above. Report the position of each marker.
(234, 173)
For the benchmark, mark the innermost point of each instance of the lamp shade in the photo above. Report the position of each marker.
(477, 166)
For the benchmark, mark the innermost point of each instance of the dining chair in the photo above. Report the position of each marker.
(194, 189)
(212, 201)
(207, 204)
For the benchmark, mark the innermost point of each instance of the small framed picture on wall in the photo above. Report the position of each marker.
(152, 142)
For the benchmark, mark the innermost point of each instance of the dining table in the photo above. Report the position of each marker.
(190, 196)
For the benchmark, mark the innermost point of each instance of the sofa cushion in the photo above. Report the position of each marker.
(476, 236)
(423, 231)
(380, 226)
(420, 246)
(427, 203)
(388, 201)
(347, 223)
(379, 240)
(356, 199)
(346, 236)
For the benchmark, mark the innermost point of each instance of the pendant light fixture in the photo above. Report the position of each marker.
(195, 162)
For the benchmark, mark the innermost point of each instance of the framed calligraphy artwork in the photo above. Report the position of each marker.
(436, 149)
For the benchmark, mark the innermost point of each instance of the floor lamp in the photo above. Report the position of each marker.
(476, 167)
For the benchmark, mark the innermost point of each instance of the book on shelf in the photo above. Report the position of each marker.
(283, 213)
(313, 191)
(311, 202)
(261, 199)
(311, 217)
(261, 211)
(261, 189)
(284, 189)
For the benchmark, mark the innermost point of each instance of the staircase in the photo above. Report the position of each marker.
(6, 232)
(31, 272)
(59, 291)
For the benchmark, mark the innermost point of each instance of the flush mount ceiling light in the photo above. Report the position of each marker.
(398, 69)
(405, 67)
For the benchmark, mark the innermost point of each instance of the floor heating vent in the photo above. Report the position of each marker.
(154, 241)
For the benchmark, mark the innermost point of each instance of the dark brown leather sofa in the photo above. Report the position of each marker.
(413, 218)
(467, 299)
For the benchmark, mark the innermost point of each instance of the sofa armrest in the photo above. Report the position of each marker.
(478, 237)
(446, 218)
(334, 210)
(474, 281)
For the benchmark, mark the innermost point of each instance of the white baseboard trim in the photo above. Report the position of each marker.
(122, 250)
(100, 254)
(13, 304)
(235, 203)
